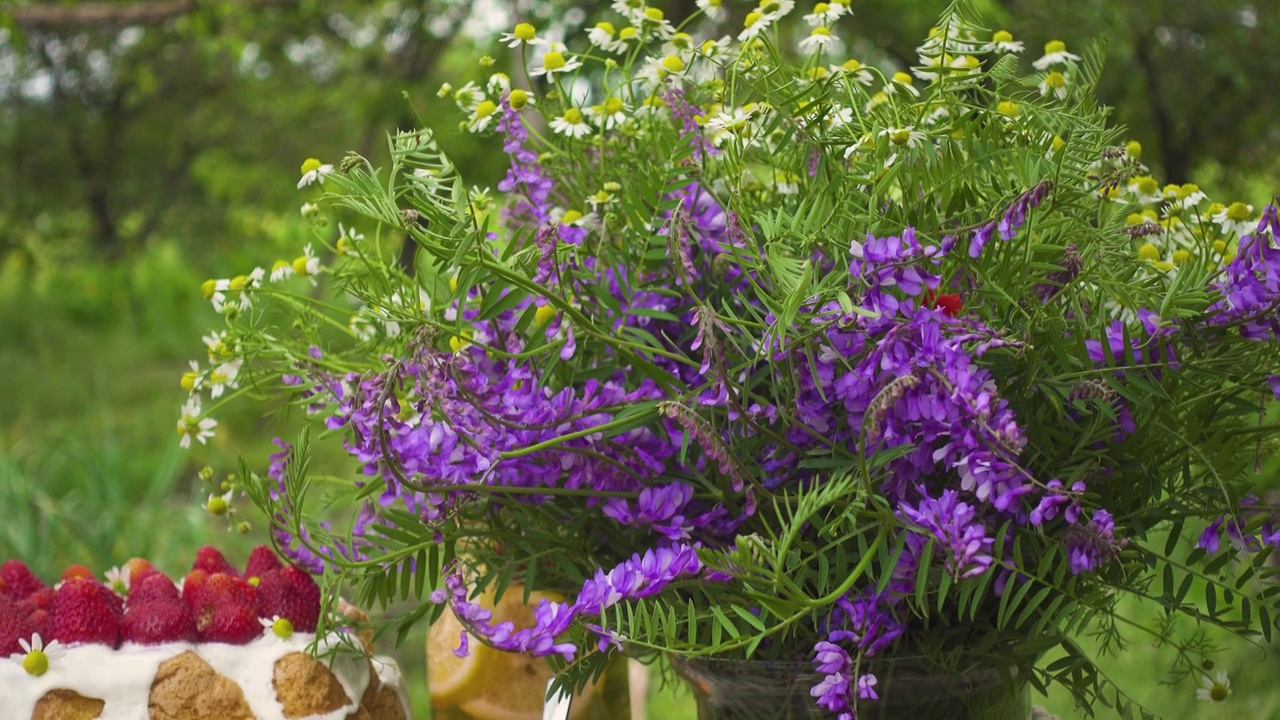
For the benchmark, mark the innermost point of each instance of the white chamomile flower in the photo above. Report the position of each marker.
(819, 39)
(1145, 190)
(482, 116)
(713, 9)
(1055, 53)
(715, 48)
(786, 183)
(608, 114)
(313, 171)
(281, 270)
(347, 239)
(603, 36)
(654, 25)
(901, 82)
(908, 136)
(876, 101)
(755, 23)
(571, 123)
(825, 14)
(219, 345)
(468, 96)
(223, 377)
(1054, 82)
(235, 292)
(523, 34)
(219, 504)
(555, 62)
(1190, 195)
(1216, 689)
(1002, 42)
(118, 580)
(499, 84)
(600, 199)
(1235, 219)
(839, 116)
(36, 655)
(190, 425)
(854, 71)
(776, 9)
(307, 265)
(630, 9)
(192, 379)
(956, 66)
(278, 626)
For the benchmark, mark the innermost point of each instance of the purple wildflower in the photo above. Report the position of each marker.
(1089, 546)
(960, 536)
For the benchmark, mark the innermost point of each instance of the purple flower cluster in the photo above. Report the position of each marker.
(954, 526)
(638, 577)
(840, 681)
(1268, 535)
(1250, 285)
(1089, 546)
(525, 179)
(1014, 218)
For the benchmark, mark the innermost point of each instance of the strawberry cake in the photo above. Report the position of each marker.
(220, 645)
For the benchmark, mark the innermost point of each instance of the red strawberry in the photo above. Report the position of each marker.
(39, 620)
(221, 589)
(278, 595)
(303, 581)
(211, 561)
(153, 586)
(14, 626)
(41, 599)
(18, 579)
(261, 561)
(135, 569)
(158, 621)
(78, 571)
(235, 624)
(83, 612)
(193, 588)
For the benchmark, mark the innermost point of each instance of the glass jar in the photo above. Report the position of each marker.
(909, 689)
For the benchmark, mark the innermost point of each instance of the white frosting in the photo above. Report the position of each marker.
(122, 678)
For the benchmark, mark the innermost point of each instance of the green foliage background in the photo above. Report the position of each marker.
(140, 154)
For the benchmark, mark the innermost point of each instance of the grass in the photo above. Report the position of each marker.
(90, 470)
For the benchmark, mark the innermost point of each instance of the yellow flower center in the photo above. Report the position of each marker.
(1147, 185)
(217, 506)
(1134, 148)
(1057, 144)
(821, 32)
(752, 18)
(525, 32)
(282, 628)
(1054, 46)
(453, 283)
(967, 62)
(1055, 80)
(543, 314)
(300, 265)
(654, 14)
(821, 8)
(310, 165)
(1219, 246)
(570, 217)
(1134, 219)
(613, 105)
(1180, 256)
(188, 381)
(485, 109)
(1188, 190)
(518, 99)
(606, 28)
(238, 283)
(1149, 252)
(1217, 693)
(900, 137)
(1002, 36)
(1238, 212)
(901, 77)
(36, 663)
(817, 72)
(279, 264)
(627, 33)
(573, 116)
(852, 65)
(1008, 108)
(456, 343)
(553, 60)
(208, 287)
(673, 63)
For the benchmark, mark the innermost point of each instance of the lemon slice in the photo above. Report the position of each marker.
(451, 679)
(514, 685)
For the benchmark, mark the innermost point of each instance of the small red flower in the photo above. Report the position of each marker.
(948, 303)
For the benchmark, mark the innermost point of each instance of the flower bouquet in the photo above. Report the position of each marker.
(759, 353)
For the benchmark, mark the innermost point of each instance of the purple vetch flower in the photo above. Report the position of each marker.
(834, 692)
(1250, 283)
(1273, 381)
(980, 239)
(1013, 218)
(525, 175)
(545, 240)
(662, 508)
(1209, 540)
(687, 115)
(1055, 497)
(957, 531)
(867, 620)
(1089, 546)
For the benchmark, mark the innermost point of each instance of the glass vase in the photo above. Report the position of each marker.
(908, 689)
